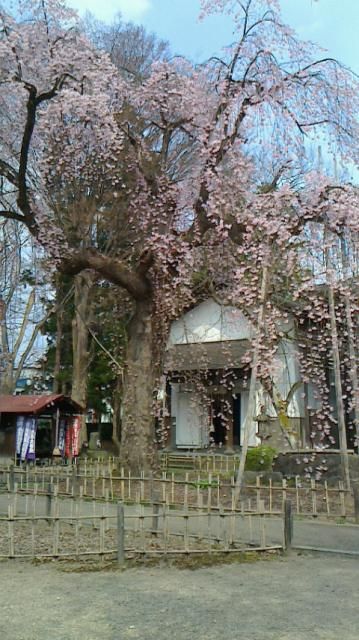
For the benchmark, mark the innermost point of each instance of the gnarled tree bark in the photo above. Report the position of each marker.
(138, 438)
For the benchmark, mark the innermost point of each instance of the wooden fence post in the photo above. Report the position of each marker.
(155, 500)
(49, 500)
(11, 478)
(11, 531)
(75, 481)
(120, 534)
(288, 525)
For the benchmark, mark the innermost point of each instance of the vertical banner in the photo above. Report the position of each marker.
(61, 442)
(19, 433)
(72, 437)
(76, 427)
(25, 437)
(68, 441)
(32, 425)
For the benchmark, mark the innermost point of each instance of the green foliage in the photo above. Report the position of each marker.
(200, 276)
(260, 458)
(27, 278)
(102, 375)
(106, 322)
(205, 484)
(63, 285)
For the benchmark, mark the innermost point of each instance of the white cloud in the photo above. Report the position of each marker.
(105, 10)
(133, 9)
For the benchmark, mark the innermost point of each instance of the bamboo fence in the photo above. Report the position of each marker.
(191, 490)
(43, 524)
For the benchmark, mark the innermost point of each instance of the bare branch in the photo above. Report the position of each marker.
(12, 215)
(8, 172)
(24, 322)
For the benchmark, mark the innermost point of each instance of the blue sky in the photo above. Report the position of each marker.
(333, 24)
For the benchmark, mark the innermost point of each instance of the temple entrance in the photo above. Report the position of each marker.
(200, 422)
(237, 420)
(226, 421)
(191, 418)
(218, 434)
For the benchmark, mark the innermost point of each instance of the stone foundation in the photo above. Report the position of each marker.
(320, 465)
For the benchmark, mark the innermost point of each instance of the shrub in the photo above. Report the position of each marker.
(260, 458)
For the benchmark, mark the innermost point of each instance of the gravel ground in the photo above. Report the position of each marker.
(295, 598)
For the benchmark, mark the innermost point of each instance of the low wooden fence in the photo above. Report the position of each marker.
(191, 490)
(212, 463)
(36, 524)
(204, 463)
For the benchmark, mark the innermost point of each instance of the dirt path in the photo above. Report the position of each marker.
(283, 599)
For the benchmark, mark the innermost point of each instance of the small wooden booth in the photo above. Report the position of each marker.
(38, 427)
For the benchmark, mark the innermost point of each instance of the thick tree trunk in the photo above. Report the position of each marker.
(80, 344)
(138, 437)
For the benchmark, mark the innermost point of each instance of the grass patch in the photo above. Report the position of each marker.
(204, 484)
(189, 561)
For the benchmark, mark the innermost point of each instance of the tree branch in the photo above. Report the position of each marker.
(24, 323)
(12, 215)
(33, 102)
(134, 281)
(8, 172)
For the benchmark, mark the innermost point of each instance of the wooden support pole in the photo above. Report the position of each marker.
(11, 478)
(155, 501)
(120, 534)
(74, 481)
(248, 420)
(288, 526)
(356, 502)
(185, 532)
(338, 386)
